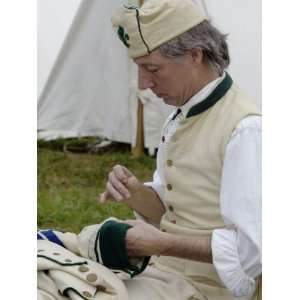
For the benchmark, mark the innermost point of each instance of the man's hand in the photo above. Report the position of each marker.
(120, 186)
(143, 239)
(123, 186)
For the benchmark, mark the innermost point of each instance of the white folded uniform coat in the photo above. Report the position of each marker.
(71, 266)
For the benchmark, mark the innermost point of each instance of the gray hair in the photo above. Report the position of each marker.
(203, 36)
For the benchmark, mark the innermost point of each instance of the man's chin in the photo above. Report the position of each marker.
(168, 101)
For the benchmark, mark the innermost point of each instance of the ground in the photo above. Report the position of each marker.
(69, 185)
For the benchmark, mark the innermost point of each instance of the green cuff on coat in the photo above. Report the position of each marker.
(113, 251)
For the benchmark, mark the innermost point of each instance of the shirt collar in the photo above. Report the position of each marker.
(201, 95)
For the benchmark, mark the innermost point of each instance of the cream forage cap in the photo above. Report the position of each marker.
(156, 22)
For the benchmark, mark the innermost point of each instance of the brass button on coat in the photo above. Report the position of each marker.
(169, 187)
(91, 277)
(169, 163)
(83, 269)
(87, 294)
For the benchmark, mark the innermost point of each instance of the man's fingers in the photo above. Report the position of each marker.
(104, 197)
(133, 183)
(129, 181)
(114, 193)
(118, 185)
(127, 172)
(122, 173)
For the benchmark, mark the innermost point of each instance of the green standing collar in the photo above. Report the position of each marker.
(213, 98)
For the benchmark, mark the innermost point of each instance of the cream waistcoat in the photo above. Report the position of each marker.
(193, 168)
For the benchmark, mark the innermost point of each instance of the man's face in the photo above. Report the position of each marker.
(169, 79)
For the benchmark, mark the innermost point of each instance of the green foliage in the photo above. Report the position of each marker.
(70, 184)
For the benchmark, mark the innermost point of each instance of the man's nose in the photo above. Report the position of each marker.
(145, 81)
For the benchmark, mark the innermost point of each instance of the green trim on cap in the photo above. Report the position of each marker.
(213, 98)
(113, 248)
(123, 36)
(137, 15)
(131, 6)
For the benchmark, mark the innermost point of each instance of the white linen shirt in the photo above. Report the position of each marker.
(236, 249)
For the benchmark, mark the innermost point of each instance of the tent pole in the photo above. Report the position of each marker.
(138, 149)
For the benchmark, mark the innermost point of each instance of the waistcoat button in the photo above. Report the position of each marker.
(169, 187)
(169, 163)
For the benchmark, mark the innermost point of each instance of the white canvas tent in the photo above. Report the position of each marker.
(87, 84)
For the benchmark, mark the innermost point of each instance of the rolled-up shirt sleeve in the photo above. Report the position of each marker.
(237, 247)
(156, 184)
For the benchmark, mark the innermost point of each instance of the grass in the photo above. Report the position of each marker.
(69, 186)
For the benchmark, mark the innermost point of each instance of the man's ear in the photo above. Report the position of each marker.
(197, 56)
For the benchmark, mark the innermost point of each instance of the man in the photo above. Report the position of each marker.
(203, 206)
